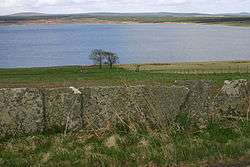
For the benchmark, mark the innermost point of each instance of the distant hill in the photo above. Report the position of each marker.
(23, 14)
(152, 14)
(159, 14)
(167, 14)
(237, 14)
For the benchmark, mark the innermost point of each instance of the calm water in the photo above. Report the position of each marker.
(55, 45)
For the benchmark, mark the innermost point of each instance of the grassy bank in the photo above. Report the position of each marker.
(182, 143)
(149, 74)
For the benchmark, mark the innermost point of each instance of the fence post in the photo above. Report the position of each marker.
(137, 68)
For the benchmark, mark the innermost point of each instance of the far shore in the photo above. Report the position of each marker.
(58, 22)
(100, 21)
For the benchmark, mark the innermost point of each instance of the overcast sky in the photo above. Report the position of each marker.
(82, 6)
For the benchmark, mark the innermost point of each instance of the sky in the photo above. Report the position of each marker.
(122, 6)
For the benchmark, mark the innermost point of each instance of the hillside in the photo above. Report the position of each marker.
(157, 14)
(24, 14)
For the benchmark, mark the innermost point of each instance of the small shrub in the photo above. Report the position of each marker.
(220, 134)
(245, 128)
(183, 122)
(122, 128)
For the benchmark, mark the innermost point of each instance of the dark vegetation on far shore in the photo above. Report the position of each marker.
(235, 20)
(243, 21)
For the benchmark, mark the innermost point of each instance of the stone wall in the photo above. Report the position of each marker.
(27, 111)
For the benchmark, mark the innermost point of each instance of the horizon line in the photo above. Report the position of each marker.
(113, 12)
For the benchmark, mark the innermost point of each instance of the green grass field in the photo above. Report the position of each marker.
(149, 74)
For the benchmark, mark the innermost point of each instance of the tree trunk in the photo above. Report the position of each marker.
(100, 65)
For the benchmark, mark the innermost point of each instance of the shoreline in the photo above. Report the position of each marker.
(101, 22)
(143, 64)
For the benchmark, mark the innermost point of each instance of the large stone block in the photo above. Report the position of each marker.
(198, 103)
(63, 109)
(21, 111)
(199, 98)
(139, 104)
(233, 99)
(103, 105)
(158, 105)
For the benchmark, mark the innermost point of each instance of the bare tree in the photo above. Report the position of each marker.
(111, 58)
(97, 56)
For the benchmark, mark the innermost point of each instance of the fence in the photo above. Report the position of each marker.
(205, 70)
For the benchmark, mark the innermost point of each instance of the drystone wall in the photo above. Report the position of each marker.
(29, 110)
